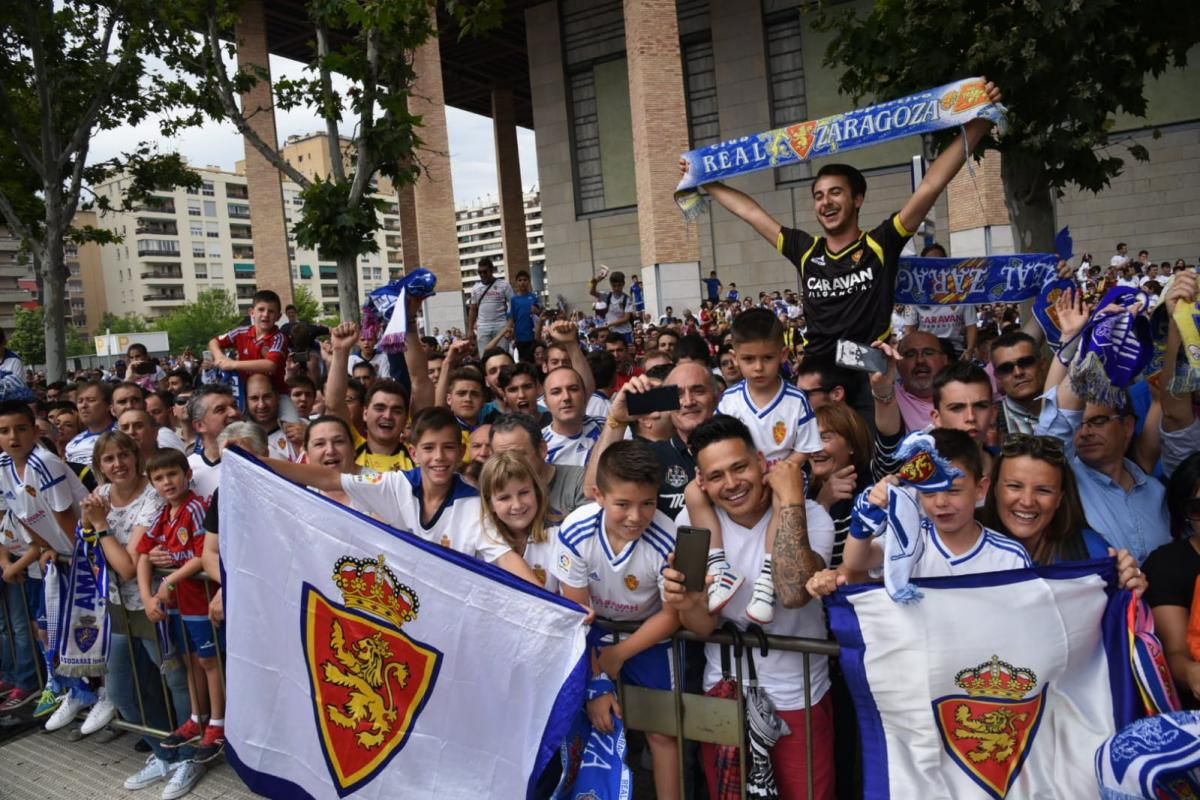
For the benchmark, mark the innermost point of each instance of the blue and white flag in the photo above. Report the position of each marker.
(366, 662)
(996, 685)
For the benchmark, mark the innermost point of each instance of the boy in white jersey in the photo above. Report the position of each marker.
(784, 428)
(610, 558)
(955, 544)
(433, 501)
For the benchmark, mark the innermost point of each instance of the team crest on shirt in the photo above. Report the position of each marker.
(988, 731)
(539, 572)
(857, 257)
(779, 431)
(446, 541)
(183, 534)
(31, 491)
(369, 476)
(370, 681)
(631, 583)
(676, 476)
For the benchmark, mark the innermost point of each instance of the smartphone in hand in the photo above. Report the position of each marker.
(691, 555)
(662, 398)
(860, 357)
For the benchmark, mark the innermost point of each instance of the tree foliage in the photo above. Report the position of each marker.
(126, 323)
(367, 43)
(193, 325)
(308, 308)
(28, 341)
(69, 69)
(1065, 68)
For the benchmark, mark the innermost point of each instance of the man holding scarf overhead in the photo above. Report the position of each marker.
(849, 275)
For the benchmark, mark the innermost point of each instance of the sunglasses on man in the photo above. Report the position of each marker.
(1009, 367)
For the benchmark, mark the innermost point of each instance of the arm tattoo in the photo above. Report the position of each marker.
(793, 561)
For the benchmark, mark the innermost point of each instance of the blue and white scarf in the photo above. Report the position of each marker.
(1112, 350)
(385, 314)
(932, 110)
(1154, 757)
(83, 651)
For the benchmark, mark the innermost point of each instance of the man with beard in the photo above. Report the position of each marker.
(1018, 370)
(849, 275)
(698, 399)
(921, 358)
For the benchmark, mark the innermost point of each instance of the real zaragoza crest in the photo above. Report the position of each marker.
(369, 680)
(988, 731)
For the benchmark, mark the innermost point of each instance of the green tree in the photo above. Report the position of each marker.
(1065, 68)
(126, 323)
(192, 325)
(368, 44)
(27, 339)
(69, 69)
(308, 308)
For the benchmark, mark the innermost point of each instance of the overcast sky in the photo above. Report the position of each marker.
(472, 145)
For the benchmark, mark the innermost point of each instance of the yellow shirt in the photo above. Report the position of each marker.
(380, 462)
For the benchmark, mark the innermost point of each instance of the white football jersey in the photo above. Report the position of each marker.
(598, 405)
(572, 450)
(278, 446)
(785, 426)
(625, 586)
(397, 499)
(992, 552)
(206, 475)
(47, 486)
(79, 449)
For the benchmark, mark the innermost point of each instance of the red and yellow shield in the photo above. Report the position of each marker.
(802, 137)
(969, 95)
(918, 469)
(369, 684)
(989, 738)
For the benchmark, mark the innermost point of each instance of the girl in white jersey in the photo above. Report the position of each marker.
(514, 510)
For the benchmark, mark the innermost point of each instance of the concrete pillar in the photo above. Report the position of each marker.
(437, 236)
(410, 241)
(669, 247)
(508, 173)
(272, 266)
(979, 224)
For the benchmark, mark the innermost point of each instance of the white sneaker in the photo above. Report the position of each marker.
(184, 776)
(762, 603)
(155, 770)
(101, 714)
(66, 712)
(725, 584)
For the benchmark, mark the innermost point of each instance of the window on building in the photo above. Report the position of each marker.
(197, 230)
(207, 189)
(216, 271)
(210, 208)
(212, 231)
(201, 271)
(785, 76)
(198, 250)
(193, 206)
(214, 251)
(700, 85)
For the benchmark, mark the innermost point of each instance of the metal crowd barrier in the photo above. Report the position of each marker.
(714, 720)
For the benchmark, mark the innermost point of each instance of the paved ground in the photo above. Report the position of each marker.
(90, 770)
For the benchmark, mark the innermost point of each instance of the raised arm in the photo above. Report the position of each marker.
(342, 338)
(945, 167)
(566, 335)
(454, 354)
(1177, 411)
(794, 560)
(614, 429)
(421, 388)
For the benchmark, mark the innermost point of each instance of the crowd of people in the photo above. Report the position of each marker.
(541, 442)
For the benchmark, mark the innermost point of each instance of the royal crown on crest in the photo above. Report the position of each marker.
(997, 678)
(368, 584)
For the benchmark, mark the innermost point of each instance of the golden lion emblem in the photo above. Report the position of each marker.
(996, 732)
(364, 669)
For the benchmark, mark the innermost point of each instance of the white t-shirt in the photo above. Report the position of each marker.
(15, 540)
(597, 405)
(493, 300)
(780, 673)
(786, 425)
(625, 586)
(572, 450)
(383, 367)
(206, 475)
(79, 449)
(396, 498)
(944, 322)
(48, 486)
(992, 552)
(142, 512)
(169, 438)
(538, 555)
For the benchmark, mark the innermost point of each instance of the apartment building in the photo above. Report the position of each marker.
(19, 285)
(480, 236)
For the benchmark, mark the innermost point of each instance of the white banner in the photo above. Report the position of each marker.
(366, 662)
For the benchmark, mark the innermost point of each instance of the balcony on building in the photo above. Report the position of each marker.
(155, 273)
(328, 291)
(238, 211)
(245, 251)
(155, 227)
(395, 257)
(158, 205)
(170, 298)
(391, 224)
(393, 242)
(237, 191)
(246, 292)
(244, 272)
(239, 231)
(158, 248)
(327, 273)
(394, 273)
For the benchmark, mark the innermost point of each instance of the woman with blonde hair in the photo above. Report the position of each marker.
(514, 509)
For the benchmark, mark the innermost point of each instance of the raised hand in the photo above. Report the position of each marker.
(344, 336)
(1073, 312)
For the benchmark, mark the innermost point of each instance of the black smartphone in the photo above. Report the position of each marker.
(691, 555)
(853, 355)
(664, 398)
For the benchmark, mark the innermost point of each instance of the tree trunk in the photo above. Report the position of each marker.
(54, 290)
(1029, 200)
(347, 283)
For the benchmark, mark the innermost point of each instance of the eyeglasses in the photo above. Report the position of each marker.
(1099, 421)
(1045, 448)
(1193, 509)
(1009, 367)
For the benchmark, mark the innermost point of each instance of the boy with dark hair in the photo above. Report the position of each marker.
(261, 347)
(618, 305)
(824, 381)
(610, 557)
(784, 428)
(523, 312)
(962, 399)
(519, 382)
(181, 597)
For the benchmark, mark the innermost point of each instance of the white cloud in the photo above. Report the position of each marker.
(472, 144)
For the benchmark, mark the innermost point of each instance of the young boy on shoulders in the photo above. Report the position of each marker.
(182, 598)
(433, 501)
(784, 428)
(953, 544)
(610, 558)
(261, 347)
